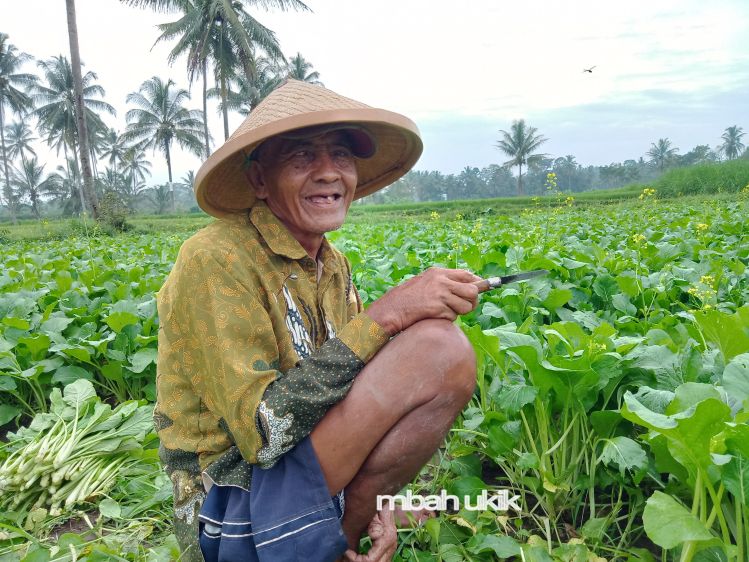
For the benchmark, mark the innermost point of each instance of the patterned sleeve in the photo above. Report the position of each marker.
(295, 403)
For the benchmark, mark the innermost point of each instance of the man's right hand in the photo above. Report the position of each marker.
(436, 293)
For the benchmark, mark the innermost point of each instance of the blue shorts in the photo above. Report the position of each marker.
(288, 514)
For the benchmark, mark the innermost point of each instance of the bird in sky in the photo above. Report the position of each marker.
(589, 69)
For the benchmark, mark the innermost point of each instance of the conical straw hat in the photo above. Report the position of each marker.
(221, 187)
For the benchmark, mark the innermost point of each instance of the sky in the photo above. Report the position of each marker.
(463, 71)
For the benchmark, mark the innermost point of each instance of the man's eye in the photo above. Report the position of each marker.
(342, 153)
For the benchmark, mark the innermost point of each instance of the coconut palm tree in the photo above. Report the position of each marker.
(160, 196)
(732, 145)
(244, 95)
(300, 69)
(63, 188)
(19, 137)
(220, 32)
(56, 107)
(55, 103)
(136, 165)
(29, 183)
(14, 87)
(113, 148)
(661, 153)
(520, 144)
(159, 119)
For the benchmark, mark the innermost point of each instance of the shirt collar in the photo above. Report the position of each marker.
(278, 237)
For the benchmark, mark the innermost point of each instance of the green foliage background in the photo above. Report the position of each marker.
(593, 389)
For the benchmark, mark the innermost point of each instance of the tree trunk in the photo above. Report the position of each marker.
(224, 108)
(205, 108)
(35, 204)
(169, 168)
(78, 183)
(8, 190)
(83, 145)
(520, 180)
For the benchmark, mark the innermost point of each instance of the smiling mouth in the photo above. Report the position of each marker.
(324, 199)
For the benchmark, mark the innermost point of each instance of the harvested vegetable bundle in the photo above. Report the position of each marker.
(72, 454)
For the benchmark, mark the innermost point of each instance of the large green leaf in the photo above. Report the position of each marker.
(7, 413)
(624, 453)
(736, 379)
(70, 373)
(78, 393)
(499, 545)
(605, 286)
(142, 359)
(669, 524)
(730, 332)
(118, 320)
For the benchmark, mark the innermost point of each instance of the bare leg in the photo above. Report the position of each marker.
(394, 418)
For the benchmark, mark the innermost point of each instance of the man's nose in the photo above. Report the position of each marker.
(326, 168)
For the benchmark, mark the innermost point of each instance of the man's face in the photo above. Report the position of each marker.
(309, 183)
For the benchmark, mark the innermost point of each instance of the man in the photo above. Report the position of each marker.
(283, 408)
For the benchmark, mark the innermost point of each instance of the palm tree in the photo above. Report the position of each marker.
(300, 69)
(732, 145)
(28, 182)
(113, 148)
(520, 144)
(135, 164)
(63, 187)
(565, 168)
(19, 137)
(160, 196)
(136, 167)
(159, 119)
(243, 95)
(222, 32)
(661, 153)
(14, 88)
(56, 107)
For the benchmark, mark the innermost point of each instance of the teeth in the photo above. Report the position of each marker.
(324, 198)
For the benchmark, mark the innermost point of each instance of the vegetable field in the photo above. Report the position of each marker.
(612, 397)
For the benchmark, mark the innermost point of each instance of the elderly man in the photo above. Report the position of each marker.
(284, 408)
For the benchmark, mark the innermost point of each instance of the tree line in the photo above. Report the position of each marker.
(241, 60)
(522, 144)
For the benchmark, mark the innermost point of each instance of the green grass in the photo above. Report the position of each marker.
(723, 177)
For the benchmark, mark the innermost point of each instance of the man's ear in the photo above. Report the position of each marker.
(256, 176)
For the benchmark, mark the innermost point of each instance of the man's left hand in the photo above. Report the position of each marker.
(384, 539)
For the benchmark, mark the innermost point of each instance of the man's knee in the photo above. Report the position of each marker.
(448, 356)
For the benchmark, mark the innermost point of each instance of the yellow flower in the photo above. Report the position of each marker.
(638, 238)
(647, 193)
(702, 227)
(458, 217)
(707, 280)
(569, 201)
(435, 216)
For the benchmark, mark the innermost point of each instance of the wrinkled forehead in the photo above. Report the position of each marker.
(287, 145)
(356, 138)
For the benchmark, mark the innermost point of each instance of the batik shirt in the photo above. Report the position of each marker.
(256, 342)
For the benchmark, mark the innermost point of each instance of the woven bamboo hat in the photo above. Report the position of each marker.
(221, 187)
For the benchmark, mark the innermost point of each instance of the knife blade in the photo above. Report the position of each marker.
(496, 282)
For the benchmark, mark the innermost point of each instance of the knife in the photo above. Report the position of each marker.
(496, 282)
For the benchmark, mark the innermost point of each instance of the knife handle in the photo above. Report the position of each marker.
(487, 284)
